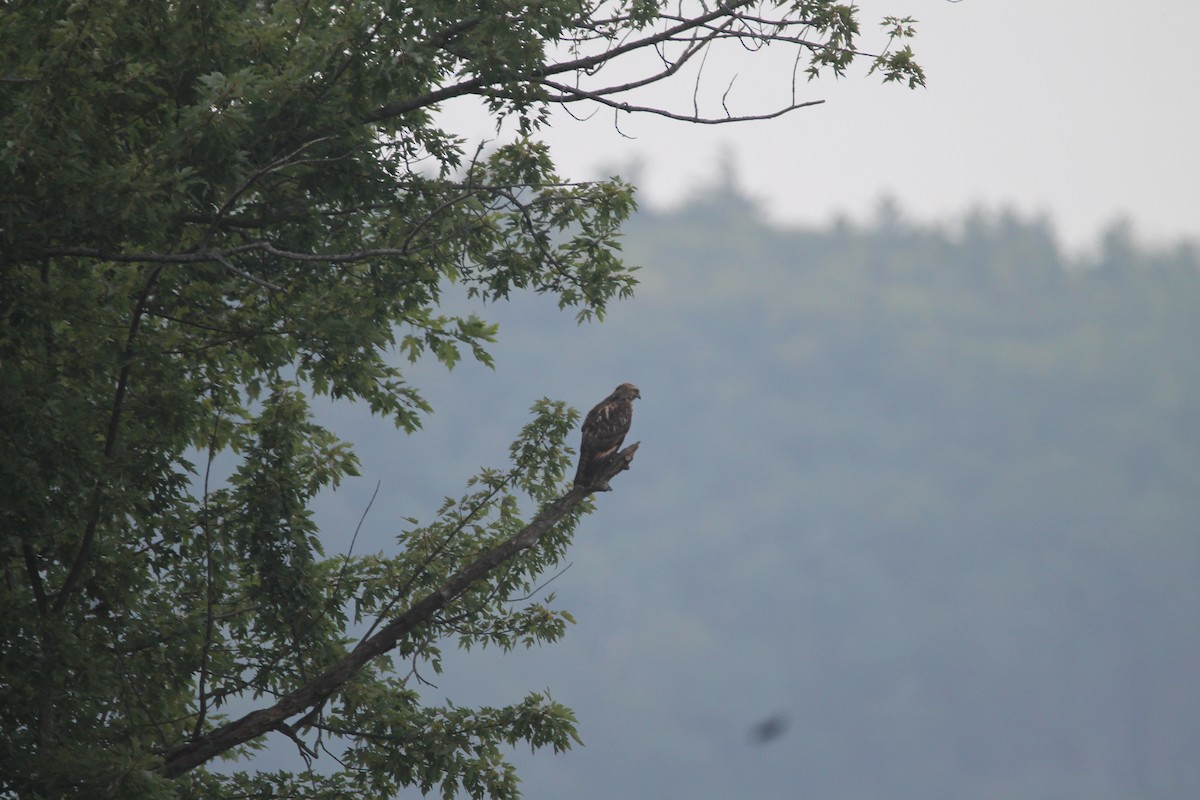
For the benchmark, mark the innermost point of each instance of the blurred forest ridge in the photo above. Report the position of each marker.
(929, 494)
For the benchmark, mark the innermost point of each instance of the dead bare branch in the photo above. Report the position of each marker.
(570, 94)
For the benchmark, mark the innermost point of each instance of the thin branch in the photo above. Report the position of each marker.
(542, 585)
(481, 506)
(225, 262)
(337, 584)
(305, 751)
(469, 190)
(209, 592)
(725, 96)
(416, 673)
(273, 166)
(110, 441)
(570, 94)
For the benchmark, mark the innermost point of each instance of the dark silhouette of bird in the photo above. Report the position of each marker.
(768, 729)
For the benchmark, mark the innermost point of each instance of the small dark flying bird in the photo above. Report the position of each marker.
(768, 729)
(604, 430)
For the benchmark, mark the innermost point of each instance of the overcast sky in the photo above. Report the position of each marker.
(1085, 110)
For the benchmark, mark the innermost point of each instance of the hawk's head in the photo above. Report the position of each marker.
(626, 391)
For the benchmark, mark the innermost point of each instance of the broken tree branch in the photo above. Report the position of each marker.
(193, 753)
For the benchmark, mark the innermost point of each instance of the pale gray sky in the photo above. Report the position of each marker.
(1086, 110)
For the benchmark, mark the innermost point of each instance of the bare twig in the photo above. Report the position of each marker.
(570, 93)
(227, 264)
(305, 751)
(337, 584)
(202, 689)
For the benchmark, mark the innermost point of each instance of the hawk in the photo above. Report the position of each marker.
(603, 431)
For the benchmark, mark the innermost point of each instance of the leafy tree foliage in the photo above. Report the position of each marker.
(212, 210)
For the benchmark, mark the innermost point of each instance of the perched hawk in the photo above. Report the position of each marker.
(604, 430)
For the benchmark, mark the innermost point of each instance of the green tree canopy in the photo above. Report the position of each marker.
(212, 210)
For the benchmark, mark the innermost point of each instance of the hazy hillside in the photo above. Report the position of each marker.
(931, 495)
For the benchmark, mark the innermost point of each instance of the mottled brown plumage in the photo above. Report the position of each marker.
(604, 430)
